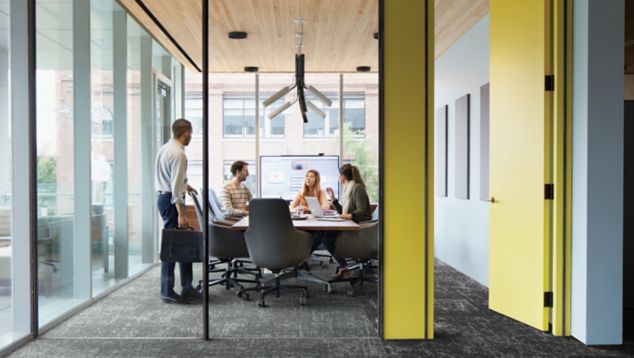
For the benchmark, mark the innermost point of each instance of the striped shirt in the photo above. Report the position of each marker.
(234, 199)
(171, 171)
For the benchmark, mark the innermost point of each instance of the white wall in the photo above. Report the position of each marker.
(462, 226)
(597, 191)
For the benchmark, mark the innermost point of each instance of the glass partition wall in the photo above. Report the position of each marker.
(6, 248)
(106, 94)
(348, 128)
(102, 146)
(101, 82)
(56, 160)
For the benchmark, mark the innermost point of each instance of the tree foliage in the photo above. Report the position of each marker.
(359, 148)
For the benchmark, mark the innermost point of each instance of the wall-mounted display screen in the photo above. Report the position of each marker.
(283, 176)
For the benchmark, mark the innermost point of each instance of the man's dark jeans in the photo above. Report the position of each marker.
(170, 221)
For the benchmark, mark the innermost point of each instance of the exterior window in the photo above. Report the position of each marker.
(354, 117)
(354, 114)
(102, 117)
(194, 112)
(195, 174)
(252, 179)
(272, 128)
(238, 117)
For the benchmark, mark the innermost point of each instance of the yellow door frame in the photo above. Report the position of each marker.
(562, 166)
(406, 129)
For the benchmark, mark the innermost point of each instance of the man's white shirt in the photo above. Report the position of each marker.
(171, 171)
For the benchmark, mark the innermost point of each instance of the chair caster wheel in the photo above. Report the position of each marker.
(244, 295)
(261, 303)
(303, 301)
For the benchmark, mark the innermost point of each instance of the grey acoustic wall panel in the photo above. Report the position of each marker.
(442, 119)
(463, 129)
(484, 142)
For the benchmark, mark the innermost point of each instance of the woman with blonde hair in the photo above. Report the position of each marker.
(311, 188)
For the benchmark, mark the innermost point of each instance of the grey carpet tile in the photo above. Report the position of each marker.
(133, 322)
(224, 347)
(137, 311)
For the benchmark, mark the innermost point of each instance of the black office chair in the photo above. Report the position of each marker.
(360, 246)
(226, 220)
(228, 247)
(214, 204)
(275, 244)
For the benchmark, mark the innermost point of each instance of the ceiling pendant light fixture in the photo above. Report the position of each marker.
(300, 85)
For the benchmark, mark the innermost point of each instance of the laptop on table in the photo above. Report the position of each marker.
(318, 212)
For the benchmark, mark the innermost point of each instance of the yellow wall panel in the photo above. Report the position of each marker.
(408, 169)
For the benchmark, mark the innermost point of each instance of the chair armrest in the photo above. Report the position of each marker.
(360, 244)
(224, 223)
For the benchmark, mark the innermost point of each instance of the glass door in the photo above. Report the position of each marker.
(161, 131)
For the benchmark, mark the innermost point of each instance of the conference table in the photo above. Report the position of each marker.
(309, 224)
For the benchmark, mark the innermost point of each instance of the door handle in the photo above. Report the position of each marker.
(492, 200)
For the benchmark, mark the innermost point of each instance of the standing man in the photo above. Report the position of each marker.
(171, 185)
(235, 195)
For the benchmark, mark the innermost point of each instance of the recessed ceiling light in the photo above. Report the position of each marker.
(251, 69)
(237, 35)
(364, 69)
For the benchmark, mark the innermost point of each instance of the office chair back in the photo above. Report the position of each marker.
(362, 244)
(224, 243)
(199, 209)
(214, 205)
(271, 238)
(375, 214)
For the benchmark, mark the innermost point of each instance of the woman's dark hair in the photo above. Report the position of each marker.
(351, 172)
(237, 166)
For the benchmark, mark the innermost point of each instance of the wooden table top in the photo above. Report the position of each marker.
(310, 224)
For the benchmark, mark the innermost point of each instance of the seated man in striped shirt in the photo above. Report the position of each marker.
(235, 195)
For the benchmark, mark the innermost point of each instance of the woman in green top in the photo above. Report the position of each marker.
(354, 205)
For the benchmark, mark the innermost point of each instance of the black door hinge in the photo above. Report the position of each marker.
(548, 299)
(550, 83)
(549, 191)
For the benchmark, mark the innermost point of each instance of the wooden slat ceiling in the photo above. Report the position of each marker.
(454, 18)
(338, 33)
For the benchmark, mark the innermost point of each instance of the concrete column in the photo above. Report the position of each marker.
(597, 189)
